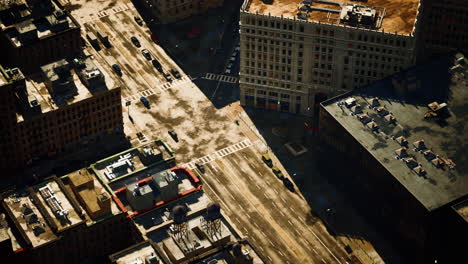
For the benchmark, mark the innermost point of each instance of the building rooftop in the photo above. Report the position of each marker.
(133, 164)
(140, 253)
(24, 24)
(397, 113)
(42, 211)
(85, 187)
(9, 75)
(398, 15)
(54, 89)
(462, 209)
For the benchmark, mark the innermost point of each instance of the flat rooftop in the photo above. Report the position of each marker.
(400, 15)
(86, 188)
(133, 164)
(140, 252)
(19, 21)
(8, 75)
(462, 209)
(41, 212)
(36, 90)
(406, 96)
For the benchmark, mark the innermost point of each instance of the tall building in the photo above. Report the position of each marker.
(398, 147)
(443, 28)
(44, 119)
(169, 11)
(296, 53)
(34, 33)
(66, 220)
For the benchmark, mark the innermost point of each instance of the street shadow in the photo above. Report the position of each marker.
(202, 44)
(328, 201)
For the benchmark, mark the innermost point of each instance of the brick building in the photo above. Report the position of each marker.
(34, 33)
(398, 148)
(443, 28)
(170, 11)
(296, 53)
(66, 220)
(39, 122)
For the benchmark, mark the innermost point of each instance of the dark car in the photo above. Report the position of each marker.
(157, 65)
(167, 76)
(288, 184)
(173, 135)
(138, 20)
(117, 69)
(135, 41)
(145, 102)
(176, 73)
(146, 54)
(267, 160)
(200, 167)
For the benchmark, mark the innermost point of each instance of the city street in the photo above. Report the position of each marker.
(198, 110)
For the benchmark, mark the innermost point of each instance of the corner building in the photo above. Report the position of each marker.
(37, 123)
(295, 54)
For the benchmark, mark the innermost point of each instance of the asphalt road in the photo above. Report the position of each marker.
(276, 220)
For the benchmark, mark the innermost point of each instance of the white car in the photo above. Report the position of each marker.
(227, 71)
(232, 59)
(237, 48)
(234, 54)
(229, 66)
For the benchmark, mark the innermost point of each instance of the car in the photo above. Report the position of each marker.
(267, 160)
(288, 184)
(138, 20)
(117, 69)
(176, 73)
(173, 135)
(237, 48)
(167, 76)
(229, 66)
(234, 54)
(232, 59)
(227, 71)
(146, 54)
(135, 42)
(145, 102)
(157, 65)
(200, 167)
(277, 172)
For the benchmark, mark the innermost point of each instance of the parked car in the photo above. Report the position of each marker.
(145, 102)
(167, 76)
(229, 66)
(173, 135)
(146, 54)
(200, 167)
(176, 73)
(237, 48)
(117, 69)
(267, 160)
(234, 54)
(288, 184)
(157, 65)
(135, 41)
(227, 71)
(232, 59)
(277, 172)
(138, 20)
